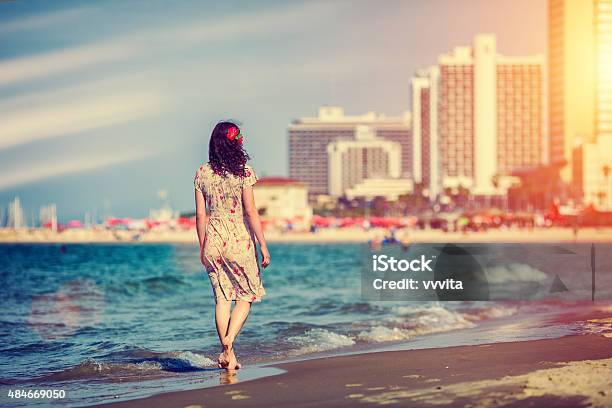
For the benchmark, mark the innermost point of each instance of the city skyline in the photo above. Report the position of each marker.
(140, 73)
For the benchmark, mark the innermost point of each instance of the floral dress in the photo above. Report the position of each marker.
(229, 248)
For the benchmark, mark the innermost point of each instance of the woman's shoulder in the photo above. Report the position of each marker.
(248, 171)
(250, 177)
(203, 170)
(204, 167)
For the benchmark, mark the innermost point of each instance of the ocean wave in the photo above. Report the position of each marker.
(514, 272)
(94, 369)
(490, 312)
(380, 334)
(433, 317)
(410, 321)
(317, 340)
(402, 323)
(151, 366)
(194, 359)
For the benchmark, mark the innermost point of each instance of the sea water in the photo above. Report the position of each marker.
(118, 321)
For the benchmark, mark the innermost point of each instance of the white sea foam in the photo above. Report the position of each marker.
(379, 334)
(148, 365)
(494, 312)
(92, 365)
(196, 360)
(435, 317)
(408, 321)
(515, 272)
(316, 340)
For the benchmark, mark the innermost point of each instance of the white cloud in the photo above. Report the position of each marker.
(71, 59)
(278, 21)
(143, 91)
(71, 115)
(45, 170)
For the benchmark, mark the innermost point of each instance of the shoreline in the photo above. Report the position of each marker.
(573, 370)
(347, 235)
(567, 371)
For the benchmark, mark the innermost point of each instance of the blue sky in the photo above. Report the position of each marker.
(111, 101)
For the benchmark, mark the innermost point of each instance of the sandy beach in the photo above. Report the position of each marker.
(536, 235)
(571, 371)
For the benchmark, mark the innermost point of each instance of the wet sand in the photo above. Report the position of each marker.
(572, 371)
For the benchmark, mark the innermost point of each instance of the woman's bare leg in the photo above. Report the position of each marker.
(238, 317)
(222, 319)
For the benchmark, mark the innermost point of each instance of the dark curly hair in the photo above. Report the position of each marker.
(225, 155)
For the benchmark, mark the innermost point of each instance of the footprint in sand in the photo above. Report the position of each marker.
(237, 395)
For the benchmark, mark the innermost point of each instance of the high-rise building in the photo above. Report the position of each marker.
(603, 68)
(580, 78)
(478, 116)
(571, 77)
(16, 217)
(521, 133)
(425, 130)
(310, 136)
(368, 156)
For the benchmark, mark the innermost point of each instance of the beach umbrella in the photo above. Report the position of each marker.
(113, 221)
(319, 221)
(185, 222)
(346, 222)
(74, 224)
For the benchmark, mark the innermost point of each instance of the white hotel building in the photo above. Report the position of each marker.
(478, 116)
(353, 164)
(334, 152)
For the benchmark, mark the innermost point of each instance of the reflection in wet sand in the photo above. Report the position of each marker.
(228, 377)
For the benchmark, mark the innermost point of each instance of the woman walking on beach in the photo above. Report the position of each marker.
(228, 224)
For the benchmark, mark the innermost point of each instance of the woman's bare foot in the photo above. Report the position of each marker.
(233, 363)
(222, 360)
(228, 354)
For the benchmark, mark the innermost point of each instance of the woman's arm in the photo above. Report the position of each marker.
(201, 221)
(248, 201)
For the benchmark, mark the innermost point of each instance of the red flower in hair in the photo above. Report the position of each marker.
(232, 133)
